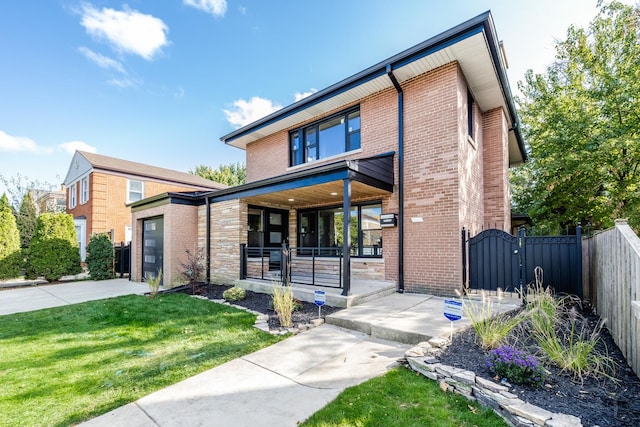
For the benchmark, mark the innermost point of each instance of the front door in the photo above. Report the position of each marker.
(276, 233)
(152, 248)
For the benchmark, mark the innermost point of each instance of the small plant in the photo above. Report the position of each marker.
(193, 268)
(154, 283)
(542, 305)
(491, 329)
(297, 305)
(283, 304)
(515, 366)
(234, 294)
(574, 348)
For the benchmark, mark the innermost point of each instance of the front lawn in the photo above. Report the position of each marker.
(405, 398)
(63, 365)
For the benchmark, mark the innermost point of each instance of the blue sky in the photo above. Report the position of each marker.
(160, 81)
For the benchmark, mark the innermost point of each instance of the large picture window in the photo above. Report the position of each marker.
(323, 229)
(331, 136)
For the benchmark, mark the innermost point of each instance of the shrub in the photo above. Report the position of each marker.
(491, 329)
(234, 294)
(26, 220)
(283, 304)
(515, 366)
(54, 252)
(10, 254)
(100, 257)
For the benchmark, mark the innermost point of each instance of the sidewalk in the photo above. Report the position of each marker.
(29, 298)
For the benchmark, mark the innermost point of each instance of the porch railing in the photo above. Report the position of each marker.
(309, 266)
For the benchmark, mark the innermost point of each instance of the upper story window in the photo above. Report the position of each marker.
(333, 135)
(470, 123)
(84, 190)
(72, 196)
(135, 190)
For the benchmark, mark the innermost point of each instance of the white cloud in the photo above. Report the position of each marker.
(216, 8)
(298, 96)
(123, 83)
(126, 30)
(14, 144)
(101, 60)
(71, 147)
(246, 112)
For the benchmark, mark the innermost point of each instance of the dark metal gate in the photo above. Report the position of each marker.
(495, 259)
(122, 263)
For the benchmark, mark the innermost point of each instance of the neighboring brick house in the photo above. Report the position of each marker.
(415, 148)
(99, 189)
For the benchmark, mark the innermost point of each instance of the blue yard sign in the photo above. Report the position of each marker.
(319, 297)
(452, 309)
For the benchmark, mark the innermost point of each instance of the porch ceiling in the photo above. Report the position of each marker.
(321, 194)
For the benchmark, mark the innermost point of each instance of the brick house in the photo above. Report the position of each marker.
(414, 148)
(100, 187)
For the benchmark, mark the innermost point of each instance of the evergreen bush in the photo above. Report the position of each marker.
(54, 251)
(10, 254)
(26, 220)
(100, 257)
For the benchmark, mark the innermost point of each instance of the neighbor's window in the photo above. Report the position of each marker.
(334, 135)
(84, 190)
(135, 190)
(72, 196)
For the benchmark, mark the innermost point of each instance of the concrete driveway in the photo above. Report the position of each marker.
(29, 298)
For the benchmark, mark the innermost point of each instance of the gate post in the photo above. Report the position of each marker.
(464, 260)
(522, 257)
(243, 261)
(578, 274)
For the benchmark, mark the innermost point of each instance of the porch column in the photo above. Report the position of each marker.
(346, 237)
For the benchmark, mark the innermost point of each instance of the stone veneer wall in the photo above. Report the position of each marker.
(228, 231)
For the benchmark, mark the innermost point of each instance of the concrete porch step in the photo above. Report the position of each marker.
(404, 318)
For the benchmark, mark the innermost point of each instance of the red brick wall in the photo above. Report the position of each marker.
(497, 205)
(180, 234)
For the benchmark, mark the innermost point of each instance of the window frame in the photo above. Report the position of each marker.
(470, 122)
(129, 181)
(72, 196)
(359, 206)
(301, 154)
(84, 190)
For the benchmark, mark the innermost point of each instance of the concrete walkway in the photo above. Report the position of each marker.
(30, 298)
(281, 385)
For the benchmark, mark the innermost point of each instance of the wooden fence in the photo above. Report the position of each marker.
(613, 278)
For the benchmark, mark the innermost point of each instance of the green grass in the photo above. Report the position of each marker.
(402, 398)
(63, 365)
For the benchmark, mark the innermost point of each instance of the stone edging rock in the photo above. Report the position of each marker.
(262, 320)
(423, 359)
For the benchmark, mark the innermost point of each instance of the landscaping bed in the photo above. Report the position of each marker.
(261, 303)
(595, 400)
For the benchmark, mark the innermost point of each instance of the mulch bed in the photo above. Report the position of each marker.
(596, 401)
(261, 303)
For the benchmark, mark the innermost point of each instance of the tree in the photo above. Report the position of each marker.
(231, 174)
(54, 251)
(581, 119)
(26, 220)
(10, 254)
(19, 186)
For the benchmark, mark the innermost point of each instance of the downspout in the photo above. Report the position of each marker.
(393, 79)
(207, 202)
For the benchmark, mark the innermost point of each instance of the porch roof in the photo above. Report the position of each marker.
(371, 176)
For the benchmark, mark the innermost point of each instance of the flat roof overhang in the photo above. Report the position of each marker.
(370, 177)
(473, 44)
